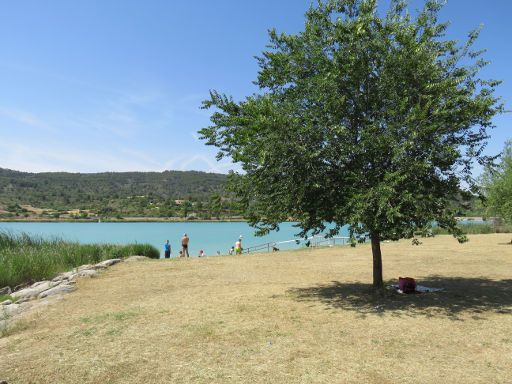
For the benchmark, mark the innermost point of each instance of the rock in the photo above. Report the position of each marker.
(87, 273)
(84, 267)
(62, 288)
(3, 382)
(72, 277)
(38, 283)
(136, 258)
(22, 300)
(21, 286)
(63, 276)
(107, 263)
(8, 311)
(6, 302)
(33, 291)
(5, 291)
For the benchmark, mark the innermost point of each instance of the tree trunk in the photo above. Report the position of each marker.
(377, 262)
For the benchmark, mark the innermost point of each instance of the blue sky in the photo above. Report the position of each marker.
(89, 86)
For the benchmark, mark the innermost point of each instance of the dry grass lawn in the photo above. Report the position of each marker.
(289, 317)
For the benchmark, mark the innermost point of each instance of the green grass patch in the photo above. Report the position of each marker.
(476, 228)
(110, 316)
(7, 297)
(25, 258)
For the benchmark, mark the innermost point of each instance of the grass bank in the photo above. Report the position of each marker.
(285, 317)
(25, 258)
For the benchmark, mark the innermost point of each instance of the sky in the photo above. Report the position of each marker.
(116, 85)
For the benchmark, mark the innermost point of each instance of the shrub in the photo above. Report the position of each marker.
(142, 250)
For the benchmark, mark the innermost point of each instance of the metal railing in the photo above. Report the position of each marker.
(314, 241)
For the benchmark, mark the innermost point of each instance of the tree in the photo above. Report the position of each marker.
(362, 120)
(215, 205)
(497, 184)
(185, 208)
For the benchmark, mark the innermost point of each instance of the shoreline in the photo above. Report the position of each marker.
(125, 220)
(164, 220)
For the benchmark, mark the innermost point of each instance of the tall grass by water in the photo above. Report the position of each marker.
(477, 228)
(25, 258)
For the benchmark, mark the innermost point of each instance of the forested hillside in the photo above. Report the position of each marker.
(119, 193)
(168, 194)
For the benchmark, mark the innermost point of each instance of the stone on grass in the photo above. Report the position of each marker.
(62, 283)
(62, 288)
(84, 267)
(5, 291)
(33, 291)
(72, 277)
(20, 286)
(38, 283)
(107, 263)
(23, 300)
(87, 273)
(63, 276)
(8, 311)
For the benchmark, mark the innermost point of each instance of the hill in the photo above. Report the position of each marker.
(120, 193)
(287, 317)
(184, 194)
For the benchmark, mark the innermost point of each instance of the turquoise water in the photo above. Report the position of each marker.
(210, 237)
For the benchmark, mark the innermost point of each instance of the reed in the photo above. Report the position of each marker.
(476, 229)
(25, 258)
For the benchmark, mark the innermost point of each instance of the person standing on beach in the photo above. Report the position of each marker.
(184, 245)
(167, 248)
(238, 246)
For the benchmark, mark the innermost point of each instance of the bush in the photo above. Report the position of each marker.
(142, 250)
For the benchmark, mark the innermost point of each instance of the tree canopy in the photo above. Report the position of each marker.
(498, 186)
(367, 120)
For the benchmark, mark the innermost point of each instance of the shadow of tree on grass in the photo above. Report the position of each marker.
(461, 295)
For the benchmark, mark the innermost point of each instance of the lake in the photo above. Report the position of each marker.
(208, 236)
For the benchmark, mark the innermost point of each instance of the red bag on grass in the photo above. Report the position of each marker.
(407, 284)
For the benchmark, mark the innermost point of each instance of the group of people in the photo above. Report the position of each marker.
(184, 247)
(236, 249)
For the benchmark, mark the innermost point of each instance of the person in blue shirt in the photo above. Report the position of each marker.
(167, 248)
